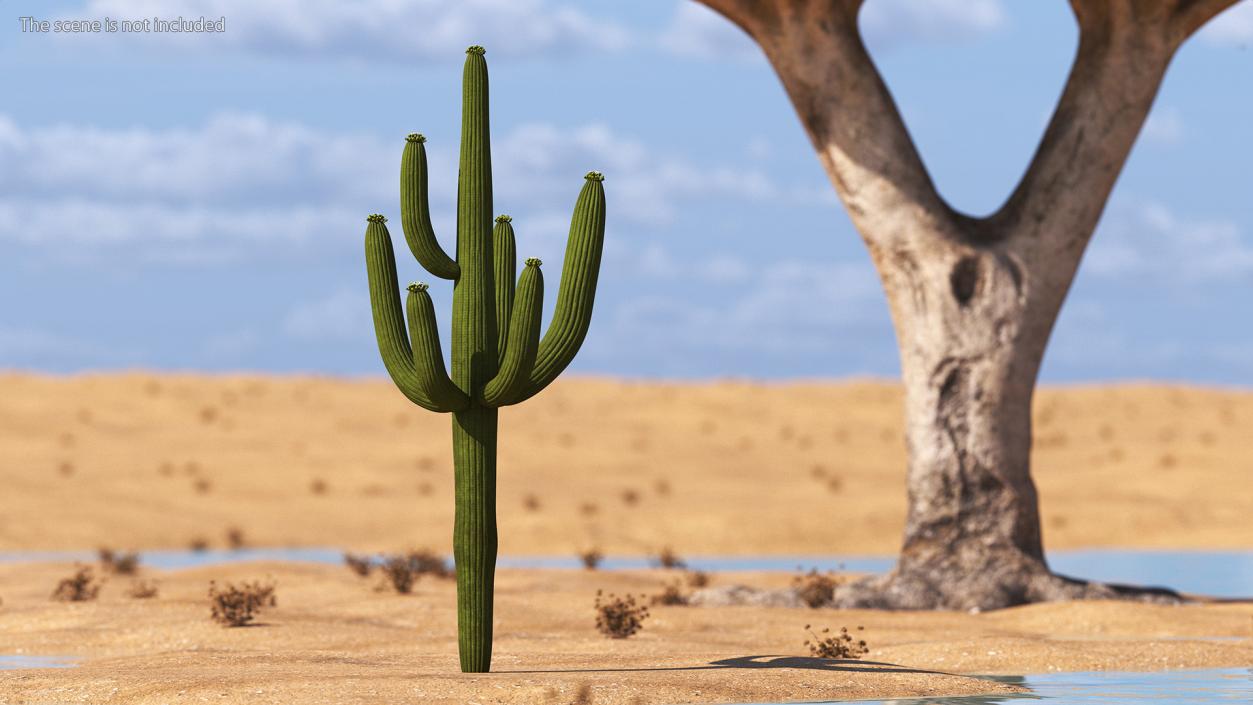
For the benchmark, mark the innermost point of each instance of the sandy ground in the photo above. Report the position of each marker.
(145, 461)
(334, 638)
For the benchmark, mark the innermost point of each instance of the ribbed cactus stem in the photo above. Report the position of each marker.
(505, 259)
(474, 361)
(415, 211)
(497, 355)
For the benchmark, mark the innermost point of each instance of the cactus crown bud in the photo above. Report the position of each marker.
(375, 218)
(594, 176)
(416, 137)
(533, 261)
(476, 49)
(502, 218)
(415, 287)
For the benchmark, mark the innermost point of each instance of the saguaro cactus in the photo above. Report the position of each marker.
(498, 358)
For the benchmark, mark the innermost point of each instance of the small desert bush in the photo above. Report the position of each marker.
(671, 595)
(361, 565)
(619, 617)
(591, 558)
(235, 606)
(531, 503)
(142, 590)
(79, 587)
(667, 558)
(403, 571)
(235, 538)
(199, 545)
(118, 562)
(697, 579)
(815, 589)
(840, 645)
(430, 563)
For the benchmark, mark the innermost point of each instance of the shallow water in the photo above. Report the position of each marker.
(1217, 573)
(1226, 685)
(12, 662)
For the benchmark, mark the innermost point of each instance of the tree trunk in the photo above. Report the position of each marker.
(973, 299)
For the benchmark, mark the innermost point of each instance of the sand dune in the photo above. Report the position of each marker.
(145, 461)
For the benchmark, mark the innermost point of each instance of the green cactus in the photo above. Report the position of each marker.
(498, 358)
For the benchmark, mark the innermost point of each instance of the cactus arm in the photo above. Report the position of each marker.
(523, 343)
(427, 357)
(505, 260)
(415, 213)
(389, 321)
(576, 293)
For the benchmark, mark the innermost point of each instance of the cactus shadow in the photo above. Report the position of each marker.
(761, 661)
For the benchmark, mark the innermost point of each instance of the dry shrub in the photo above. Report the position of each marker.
(79, 587)
(66, 468)
(816, 589)
(583, 696)
(202, 486)
(667, 558)
(697, 579)
(142, 590)
(235, 538)
(427, 562)
(531, 503)
(118, 563)
(671, 595)
(840, 645)
(630, 497)
(591, 558)
(233, 606)
(619, 617)
(361, 565)
(198, 544)
(318, 486)
(403, 571)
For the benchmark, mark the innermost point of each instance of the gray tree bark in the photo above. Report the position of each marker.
(973, 299)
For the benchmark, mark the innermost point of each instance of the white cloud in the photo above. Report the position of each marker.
(890, 22)
(1148, 240)
(242, 183)
(397, 30)
(344, 315)
(21, 346)
(786, 307)
(1164, 126)
(1234, 27)
(699, 32)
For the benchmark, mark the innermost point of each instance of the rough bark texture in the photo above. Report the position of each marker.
(973, 299)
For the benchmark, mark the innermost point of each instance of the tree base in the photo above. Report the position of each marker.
(930, 590)
(941, 587)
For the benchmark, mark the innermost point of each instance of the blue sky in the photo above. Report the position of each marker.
(197, 201)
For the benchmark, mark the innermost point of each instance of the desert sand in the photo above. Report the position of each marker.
(334, 638)
(146, 461)
(143, 461)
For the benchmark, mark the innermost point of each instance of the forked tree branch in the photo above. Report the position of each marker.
(854, 124)
(1125, 47)
(848, 112)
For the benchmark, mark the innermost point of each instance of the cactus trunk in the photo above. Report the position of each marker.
(474, 533)
(498, 358)
(474, 360)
